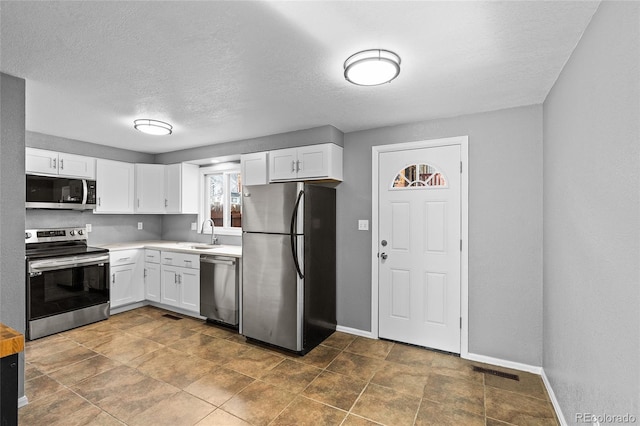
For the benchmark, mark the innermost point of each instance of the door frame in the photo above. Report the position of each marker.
(463, 142)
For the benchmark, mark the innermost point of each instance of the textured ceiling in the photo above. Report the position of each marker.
(223, 71)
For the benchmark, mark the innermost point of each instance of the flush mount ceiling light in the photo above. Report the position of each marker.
(372, 67)
(152, 127)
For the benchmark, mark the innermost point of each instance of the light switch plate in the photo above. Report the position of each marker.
(88, 226)
(194, 226)
(139, 225)
(363, 225)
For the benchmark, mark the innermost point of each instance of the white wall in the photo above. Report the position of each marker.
(505, 227)
(591, 218)
(12, 196)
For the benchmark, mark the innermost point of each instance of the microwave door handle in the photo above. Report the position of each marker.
(84, 191)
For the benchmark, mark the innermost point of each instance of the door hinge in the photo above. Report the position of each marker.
(460, 245)
(461, 323)
(461, 167)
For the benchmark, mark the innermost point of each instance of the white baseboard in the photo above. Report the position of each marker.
(504, 363)
(554, 400)
(355, 331)
(22, 401)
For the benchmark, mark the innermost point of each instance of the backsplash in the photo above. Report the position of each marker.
(177, 227)
(106, 228)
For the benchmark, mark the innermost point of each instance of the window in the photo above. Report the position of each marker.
(222, 199)
(419, 175)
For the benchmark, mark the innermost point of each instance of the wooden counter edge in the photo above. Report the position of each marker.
(11, 342)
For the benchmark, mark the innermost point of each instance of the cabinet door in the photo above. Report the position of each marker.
(76, 166)
(115, 186)
(172, 186)
(282, 164)
(313, 161)
(150, 188)
(189, 283)
(152, 281)
(254, 168)
(41, 161)
(122, 289)
(170, 294)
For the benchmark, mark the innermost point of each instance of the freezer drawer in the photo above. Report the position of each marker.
(219, 288)
(271, 291)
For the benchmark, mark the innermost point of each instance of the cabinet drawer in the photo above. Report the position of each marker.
(184, 260)
(152, 256)
(123, 257)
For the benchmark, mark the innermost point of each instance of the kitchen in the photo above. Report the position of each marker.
(506, 303)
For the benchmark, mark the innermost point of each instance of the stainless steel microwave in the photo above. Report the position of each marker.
(49, 192)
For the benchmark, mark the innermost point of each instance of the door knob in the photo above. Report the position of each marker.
(383, 256)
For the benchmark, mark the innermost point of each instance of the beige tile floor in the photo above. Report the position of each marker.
(140, 368)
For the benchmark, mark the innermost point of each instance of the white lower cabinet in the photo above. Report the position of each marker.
(152, 276)
(126, 278)
(180, 281)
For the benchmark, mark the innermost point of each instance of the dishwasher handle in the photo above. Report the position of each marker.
(218, 260)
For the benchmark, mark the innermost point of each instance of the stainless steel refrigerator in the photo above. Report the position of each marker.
(289, 264)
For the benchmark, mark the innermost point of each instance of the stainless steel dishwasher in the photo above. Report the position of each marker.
(219, 289)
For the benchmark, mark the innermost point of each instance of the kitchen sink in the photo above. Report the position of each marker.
(205, 246)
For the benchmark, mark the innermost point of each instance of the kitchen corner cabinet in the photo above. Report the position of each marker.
(254, 168)
(40, 161)
(181, 280)
(181, 188)
(115, 186)
(126, 278)
(314, 162)
(149, 180)
(152, 275)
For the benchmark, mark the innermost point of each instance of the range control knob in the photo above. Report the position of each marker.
(80, 232)
(27, 235)
(72, 232)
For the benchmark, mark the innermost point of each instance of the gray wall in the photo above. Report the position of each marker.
(106, 228)
(591, 218)
(12, 196)
(73, 146)
(316, 135)
(505, 227)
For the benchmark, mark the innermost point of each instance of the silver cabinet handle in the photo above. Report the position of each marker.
(113, 278)
(138, 202)
(54, 163)
(122, 259)
(145, 273)
(298, 165)
(175, 279)
(293, 166)
(61, 163)
(99, 201)
(166, 202)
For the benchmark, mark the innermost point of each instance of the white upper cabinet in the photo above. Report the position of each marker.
(115, 181)
(150, 188)
(181, 188)
(254, 168)
(40, 161)
(314, 162)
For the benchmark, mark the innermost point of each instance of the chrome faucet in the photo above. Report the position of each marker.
(214, 239)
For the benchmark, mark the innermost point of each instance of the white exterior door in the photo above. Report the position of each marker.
(419, 231)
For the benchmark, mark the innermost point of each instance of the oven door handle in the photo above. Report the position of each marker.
(67, 262)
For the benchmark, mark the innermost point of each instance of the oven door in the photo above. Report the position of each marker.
(64, 284)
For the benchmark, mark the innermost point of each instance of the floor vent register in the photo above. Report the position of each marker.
(496, 373)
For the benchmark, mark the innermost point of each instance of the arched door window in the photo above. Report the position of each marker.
(419, 176)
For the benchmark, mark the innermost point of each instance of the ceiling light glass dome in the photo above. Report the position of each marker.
(153, 127)
(372, 67)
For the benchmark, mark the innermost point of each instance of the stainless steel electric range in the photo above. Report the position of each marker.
(67, 282)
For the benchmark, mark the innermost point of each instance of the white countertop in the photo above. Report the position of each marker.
(176, 246)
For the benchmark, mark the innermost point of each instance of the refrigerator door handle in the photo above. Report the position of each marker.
(292, 234)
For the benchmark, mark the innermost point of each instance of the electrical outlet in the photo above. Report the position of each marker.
(194, 226)
(139, 225)
(88, 226)
(363, 225)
